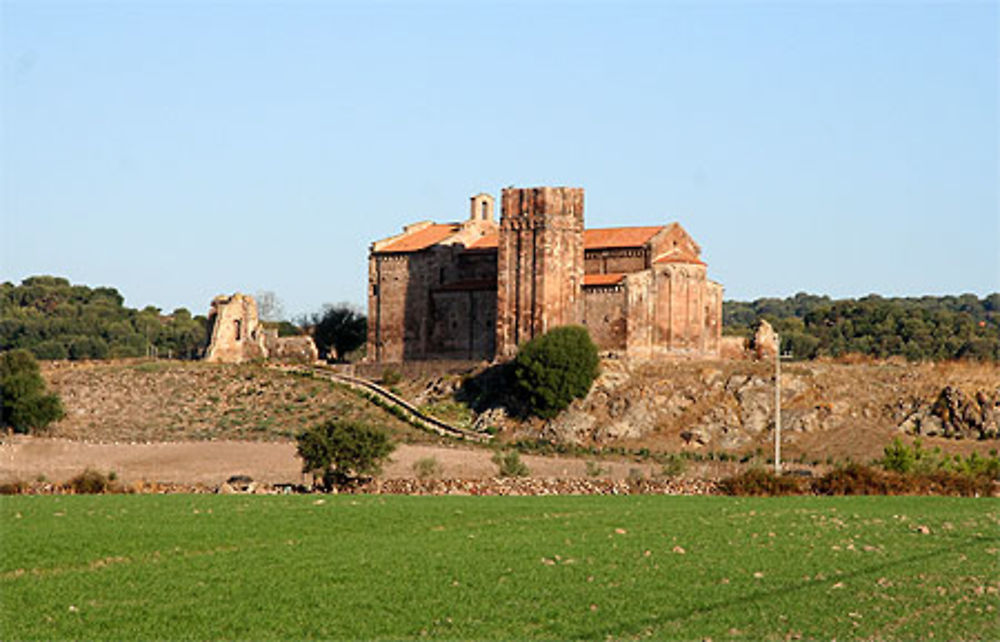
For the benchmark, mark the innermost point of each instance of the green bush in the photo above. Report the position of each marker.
(338, 451)
(555, 368)
(26, 406)
(510, 464)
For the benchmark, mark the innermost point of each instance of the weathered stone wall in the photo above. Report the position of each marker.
(464, 324)
(605, 316)
(298, 350)
(539, 263)
(236, 334)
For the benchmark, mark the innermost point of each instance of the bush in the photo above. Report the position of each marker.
(93, 482)
(338, 451)
(758, 482)
(594, 469)
(25, 406)
(427, 468)
(510, 464)
(555, 368)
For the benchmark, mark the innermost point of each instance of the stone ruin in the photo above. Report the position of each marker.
(237, 335)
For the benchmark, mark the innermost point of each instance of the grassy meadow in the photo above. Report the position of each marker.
(193, 566)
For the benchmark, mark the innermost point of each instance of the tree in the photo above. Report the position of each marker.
(338, 451)
(340, 327)
(269, 306)
(26, 406)
(555, 368)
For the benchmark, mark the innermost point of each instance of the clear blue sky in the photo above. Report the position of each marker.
(179, 150)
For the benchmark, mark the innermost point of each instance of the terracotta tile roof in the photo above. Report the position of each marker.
(602, 279)
(488, 242)
(422, 239)
(619, 236)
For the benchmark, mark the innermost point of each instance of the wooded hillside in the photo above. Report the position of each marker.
(929, 327)
(57, 320)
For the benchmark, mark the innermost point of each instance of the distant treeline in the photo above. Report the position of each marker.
(928, 327)
(56, 320)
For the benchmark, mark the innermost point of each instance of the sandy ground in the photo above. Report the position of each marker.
(212, 462)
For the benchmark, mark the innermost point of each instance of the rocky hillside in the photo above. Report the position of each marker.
(828, 409)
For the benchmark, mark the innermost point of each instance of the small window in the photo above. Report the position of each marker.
(238, 329)
(485, 208)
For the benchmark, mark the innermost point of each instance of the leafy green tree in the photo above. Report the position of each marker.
(338, 451)
(337, 330)
(555, 368)
(26, 406)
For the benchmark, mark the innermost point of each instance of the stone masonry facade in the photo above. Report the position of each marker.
(475, 290)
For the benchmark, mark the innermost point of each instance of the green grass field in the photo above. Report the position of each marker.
(188, 566)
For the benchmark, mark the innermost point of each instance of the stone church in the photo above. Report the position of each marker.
(477, 289)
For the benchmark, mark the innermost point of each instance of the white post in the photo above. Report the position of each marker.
(777, 405)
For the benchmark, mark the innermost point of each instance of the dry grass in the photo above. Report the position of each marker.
(174, 401)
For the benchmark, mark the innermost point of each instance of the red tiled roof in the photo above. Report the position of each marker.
(603, 279)
(488, 242)
(594, 239)
(421, 239)
(619, 236)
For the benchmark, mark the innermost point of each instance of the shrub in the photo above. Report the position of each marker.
(391, 377)
(594, 469)
(854, 479)
(25, 406)
(760, 483)
(338, 451)
(510, 464)
(92, 482)
(555, 368)
(426, 468)
(18, 487)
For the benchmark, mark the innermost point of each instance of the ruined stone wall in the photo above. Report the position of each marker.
(236, 335)
(605, 316)
(539, 263)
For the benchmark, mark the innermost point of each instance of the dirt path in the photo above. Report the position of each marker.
(212, 462)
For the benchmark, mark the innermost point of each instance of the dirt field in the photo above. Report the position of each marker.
(212, 462)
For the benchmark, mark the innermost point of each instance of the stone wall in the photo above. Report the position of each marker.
(539, 263)
(605, 316)
(236, 334)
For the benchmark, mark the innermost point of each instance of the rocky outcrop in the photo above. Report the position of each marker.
(954, 413)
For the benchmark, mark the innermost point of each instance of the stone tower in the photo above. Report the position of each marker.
(539, 263)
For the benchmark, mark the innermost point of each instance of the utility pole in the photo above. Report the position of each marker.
(777, 405)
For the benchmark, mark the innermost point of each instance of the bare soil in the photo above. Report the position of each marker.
(24, 458)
